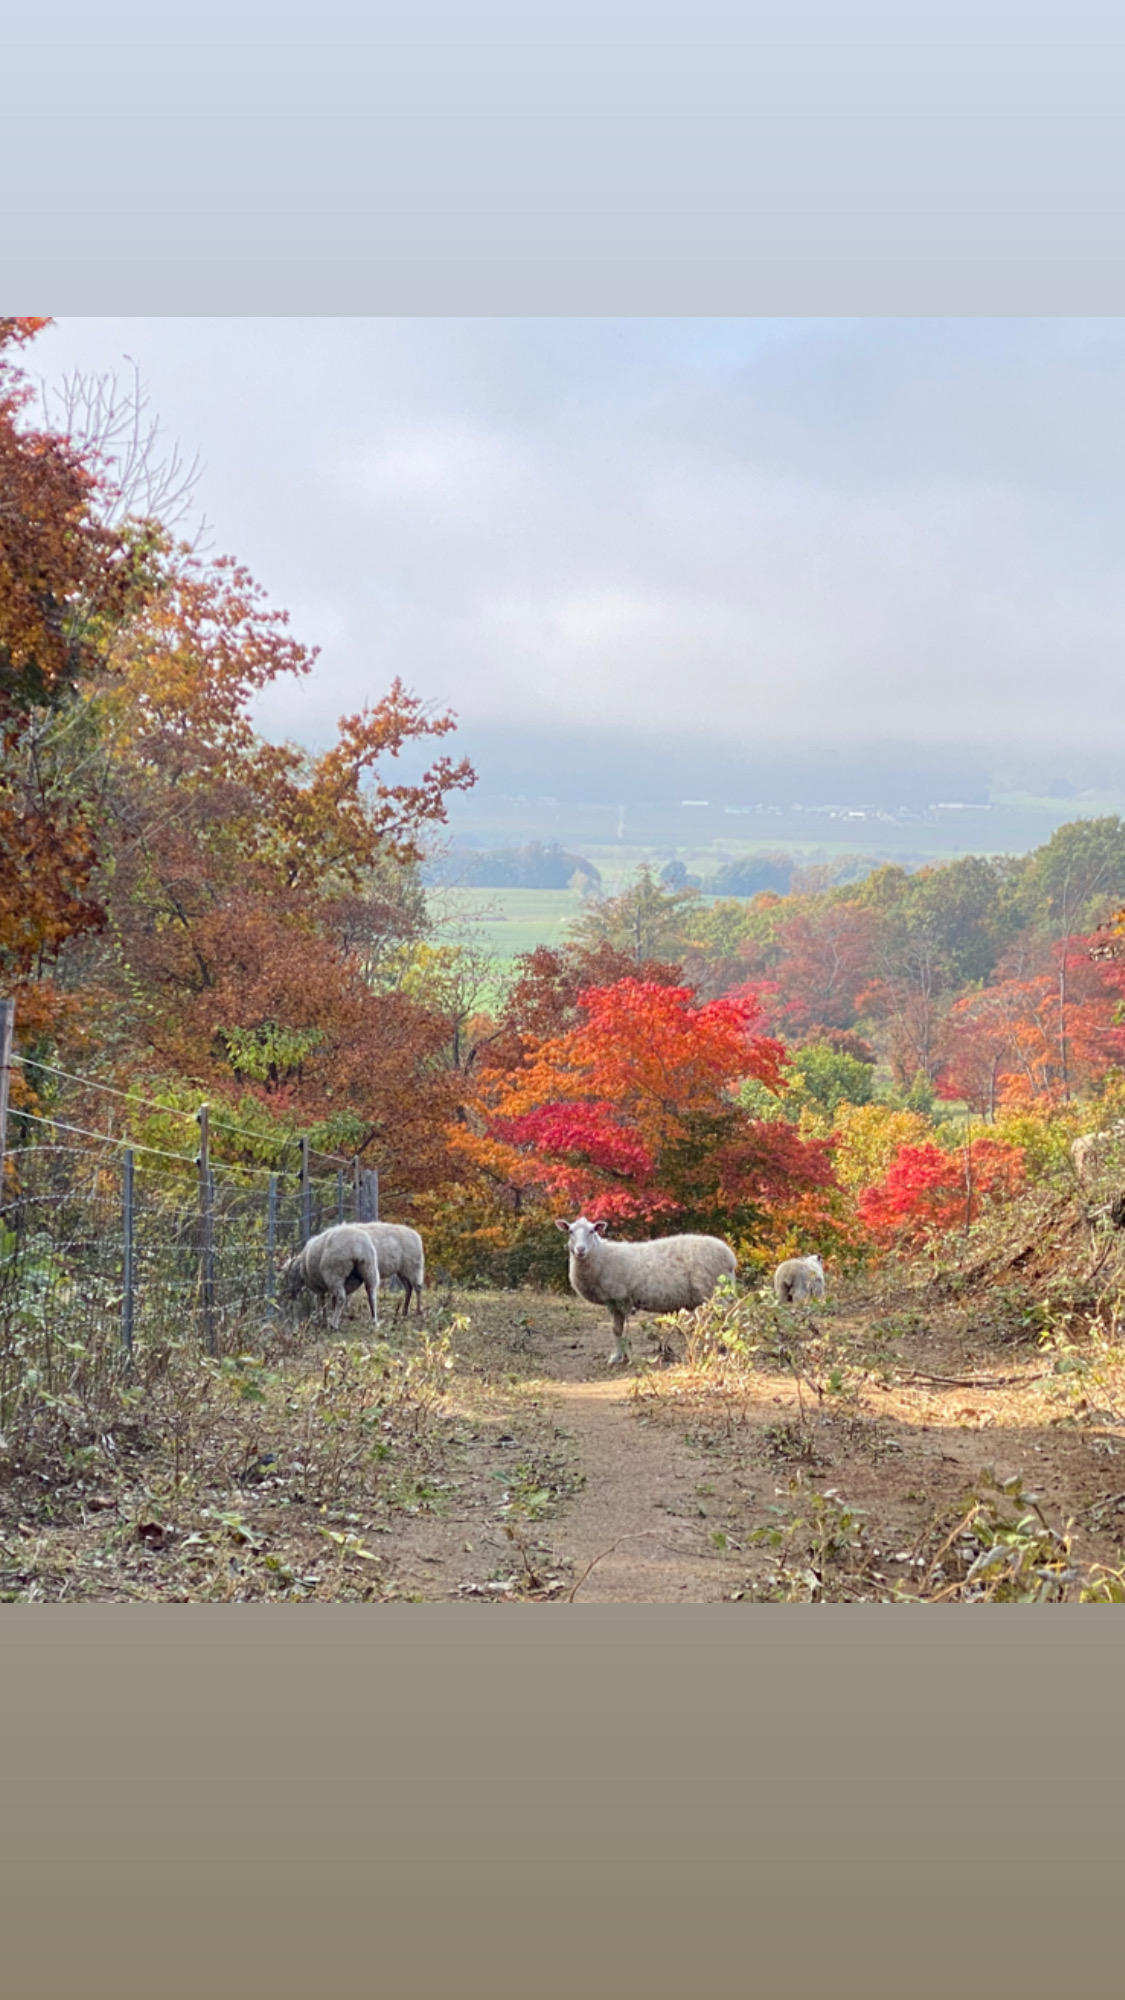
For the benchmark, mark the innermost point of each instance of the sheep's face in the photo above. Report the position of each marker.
(292, 1278)
(815, 1264)
(581, 1236)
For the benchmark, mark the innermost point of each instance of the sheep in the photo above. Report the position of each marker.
(669, 1274)
(1088, 1153)
(335, 1264)
(401, 1256)
(798, 1279)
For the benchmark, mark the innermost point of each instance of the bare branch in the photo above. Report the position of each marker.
(143, 479)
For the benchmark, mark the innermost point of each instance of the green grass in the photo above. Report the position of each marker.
(510, 921)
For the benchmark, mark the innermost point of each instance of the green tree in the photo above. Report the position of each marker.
(830, 1077)
(646, 920)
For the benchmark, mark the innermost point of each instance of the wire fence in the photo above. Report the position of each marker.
(106, 1244)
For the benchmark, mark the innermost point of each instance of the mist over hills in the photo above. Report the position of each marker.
(603, 793)
(590, 765)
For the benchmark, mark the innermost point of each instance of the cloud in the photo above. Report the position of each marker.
(711, 532)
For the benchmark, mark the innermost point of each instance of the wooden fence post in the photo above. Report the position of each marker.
(127, 1283)
(7, 1024)
(271, 1244)
(306, 1193)
(206, 1229)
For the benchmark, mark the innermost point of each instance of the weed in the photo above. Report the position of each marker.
(823, 1551)
(1000, 1549)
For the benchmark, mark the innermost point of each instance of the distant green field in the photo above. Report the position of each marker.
(510, 921)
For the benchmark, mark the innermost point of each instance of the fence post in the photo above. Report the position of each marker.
(7, 1023)
(339, 1194)
(271, 1244)
(127, 1259)
(368, 1195)
(206, 1229)
(357, 1211)
(306, 1193)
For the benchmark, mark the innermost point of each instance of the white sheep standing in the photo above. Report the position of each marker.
(335, 1264)
(798, 1279)
(1089, 1152)
(402, 1256)
(666, 1275)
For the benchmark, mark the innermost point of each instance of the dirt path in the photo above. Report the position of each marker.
(636, 1533)
(520, 1467)
(681, 1486)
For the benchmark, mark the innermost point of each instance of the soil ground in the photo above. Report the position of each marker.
(492, 1455)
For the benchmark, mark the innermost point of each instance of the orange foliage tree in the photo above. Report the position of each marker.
(1034, 1039)
(629, 1115)
(216, 900)
(824, 963)
(544, 998)
(244, 879)
(65, 579)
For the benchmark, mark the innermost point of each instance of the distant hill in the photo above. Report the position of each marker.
(532, 867)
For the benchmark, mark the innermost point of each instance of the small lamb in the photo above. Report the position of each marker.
(335, 1264)
(401, 1255)
(669, 1274)
(798, 1279)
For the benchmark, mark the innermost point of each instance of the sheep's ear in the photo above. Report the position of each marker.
(600, 1227)
(564, 1226)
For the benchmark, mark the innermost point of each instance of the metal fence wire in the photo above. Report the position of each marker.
(105, 1246)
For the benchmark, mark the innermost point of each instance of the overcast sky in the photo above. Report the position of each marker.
(713, 534)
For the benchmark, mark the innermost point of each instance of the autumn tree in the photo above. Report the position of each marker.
(1069, 884)
(824, 963)
(543, 1000)
(735, 945)
(631, 1115)
(1021, 1040)
(232, 910)
(66, 579)
(928, 1191)
(647, 920)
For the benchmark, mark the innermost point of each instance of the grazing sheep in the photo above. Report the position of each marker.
(401, 1256)
(798, 1279)
(670, 1274)
(335, 1264)
(1088, 1153)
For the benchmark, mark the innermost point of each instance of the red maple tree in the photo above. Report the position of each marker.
(631, 1114)
(927, 1189)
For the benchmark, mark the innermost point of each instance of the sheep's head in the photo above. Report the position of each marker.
(581, 1235)
(292, 1277)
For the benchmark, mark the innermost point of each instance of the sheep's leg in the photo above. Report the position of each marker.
(339, 1300)
(620, 1351)
(373, 1299)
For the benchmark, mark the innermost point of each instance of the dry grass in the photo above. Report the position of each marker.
(314, 1468)
(938, 1432)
